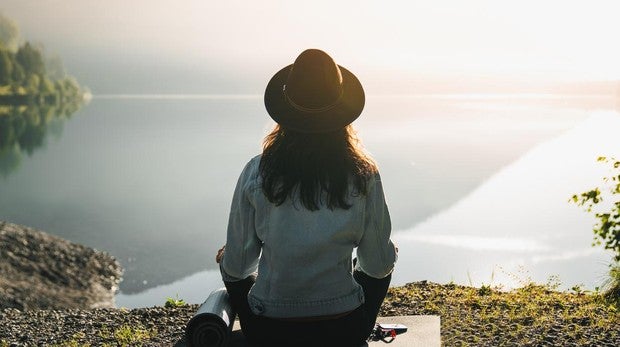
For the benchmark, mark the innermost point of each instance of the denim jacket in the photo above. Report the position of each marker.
(302, 257)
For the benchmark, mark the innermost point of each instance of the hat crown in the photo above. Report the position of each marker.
(314, 81)
(314, 95)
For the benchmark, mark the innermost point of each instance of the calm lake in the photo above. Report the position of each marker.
(477, 185)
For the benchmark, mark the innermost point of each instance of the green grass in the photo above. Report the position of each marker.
(612, 285)
(123, 336)
(531, 315)
(128, 336)
(75, 341)
(174, 302)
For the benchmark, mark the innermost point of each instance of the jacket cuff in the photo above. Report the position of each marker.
(226, 277)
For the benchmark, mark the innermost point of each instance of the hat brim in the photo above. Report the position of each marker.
(343, 113)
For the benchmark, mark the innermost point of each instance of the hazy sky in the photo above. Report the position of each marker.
(252, 39)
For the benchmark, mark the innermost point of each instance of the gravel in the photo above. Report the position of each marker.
(155, 326)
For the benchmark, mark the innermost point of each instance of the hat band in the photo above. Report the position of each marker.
(309, 109)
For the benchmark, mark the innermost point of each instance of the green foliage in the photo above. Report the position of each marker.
(46, 86)
(174, 302)
(6, 67)
(612, 285)
(30, 99)
(31, 59)
(27, 70)
(74, 342)
(9, 33)
(607, 228)
(484, 290)
(18, 74)
(70, 86)
(578, 289)
(32, 84)
(123, 336)
(24, 71)
(127, 335)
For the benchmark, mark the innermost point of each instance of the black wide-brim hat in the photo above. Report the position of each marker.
(314, 94)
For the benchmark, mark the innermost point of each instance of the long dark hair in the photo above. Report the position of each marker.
(314, 164)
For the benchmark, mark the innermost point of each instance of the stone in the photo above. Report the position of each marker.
(42, 271)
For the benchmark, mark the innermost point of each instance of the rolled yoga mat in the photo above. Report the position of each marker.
(212, 324)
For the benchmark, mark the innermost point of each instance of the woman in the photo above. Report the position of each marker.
(300, 209)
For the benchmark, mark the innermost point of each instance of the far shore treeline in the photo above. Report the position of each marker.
(36, 96)
(27, 76)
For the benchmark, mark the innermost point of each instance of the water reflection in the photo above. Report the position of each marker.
(25, 128)
(150, 182)
(520, 217)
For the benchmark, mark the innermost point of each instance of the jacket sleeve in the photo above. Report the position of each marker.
(243, 247)
(376, 254)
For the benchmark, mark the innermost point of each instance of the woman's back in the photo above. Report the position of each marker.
(302, 207)
(305, 267)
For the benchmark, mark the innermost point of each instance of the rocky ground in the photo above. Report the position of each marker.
(534, 315)
(39, 270)
(155, 326)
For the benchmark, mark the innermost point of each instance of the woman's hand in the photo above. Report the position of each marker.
(220, 254)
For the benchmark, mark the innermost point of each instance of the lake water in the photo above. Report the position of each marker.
(477, 185)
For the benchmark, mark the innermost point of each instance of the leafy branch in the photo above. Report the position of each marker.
(607, 228)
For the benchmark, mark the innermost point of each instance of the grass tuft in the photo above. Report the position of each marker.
(612, 285)
(127, 336)
(174, 302)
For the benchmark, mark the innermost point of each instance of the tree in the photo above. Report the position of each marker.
(18, 74)
(27, 73)
(31, 59)
(607, 228)
(6, 68)
(33, 83)
(9, 33)
(71, 88)
(46, 86)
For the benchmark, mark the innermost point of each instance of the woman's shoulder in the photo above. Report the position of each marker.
(374, 183)
(252, 165)
(254, 162)
(374, 177)
(250, 175)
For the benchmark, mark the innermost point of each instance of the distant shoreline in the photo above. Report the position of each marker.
(176, 96)
(37, 99)
(442, 96)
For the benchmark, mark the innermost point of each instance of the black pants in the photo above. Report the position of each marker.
(350, 330)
